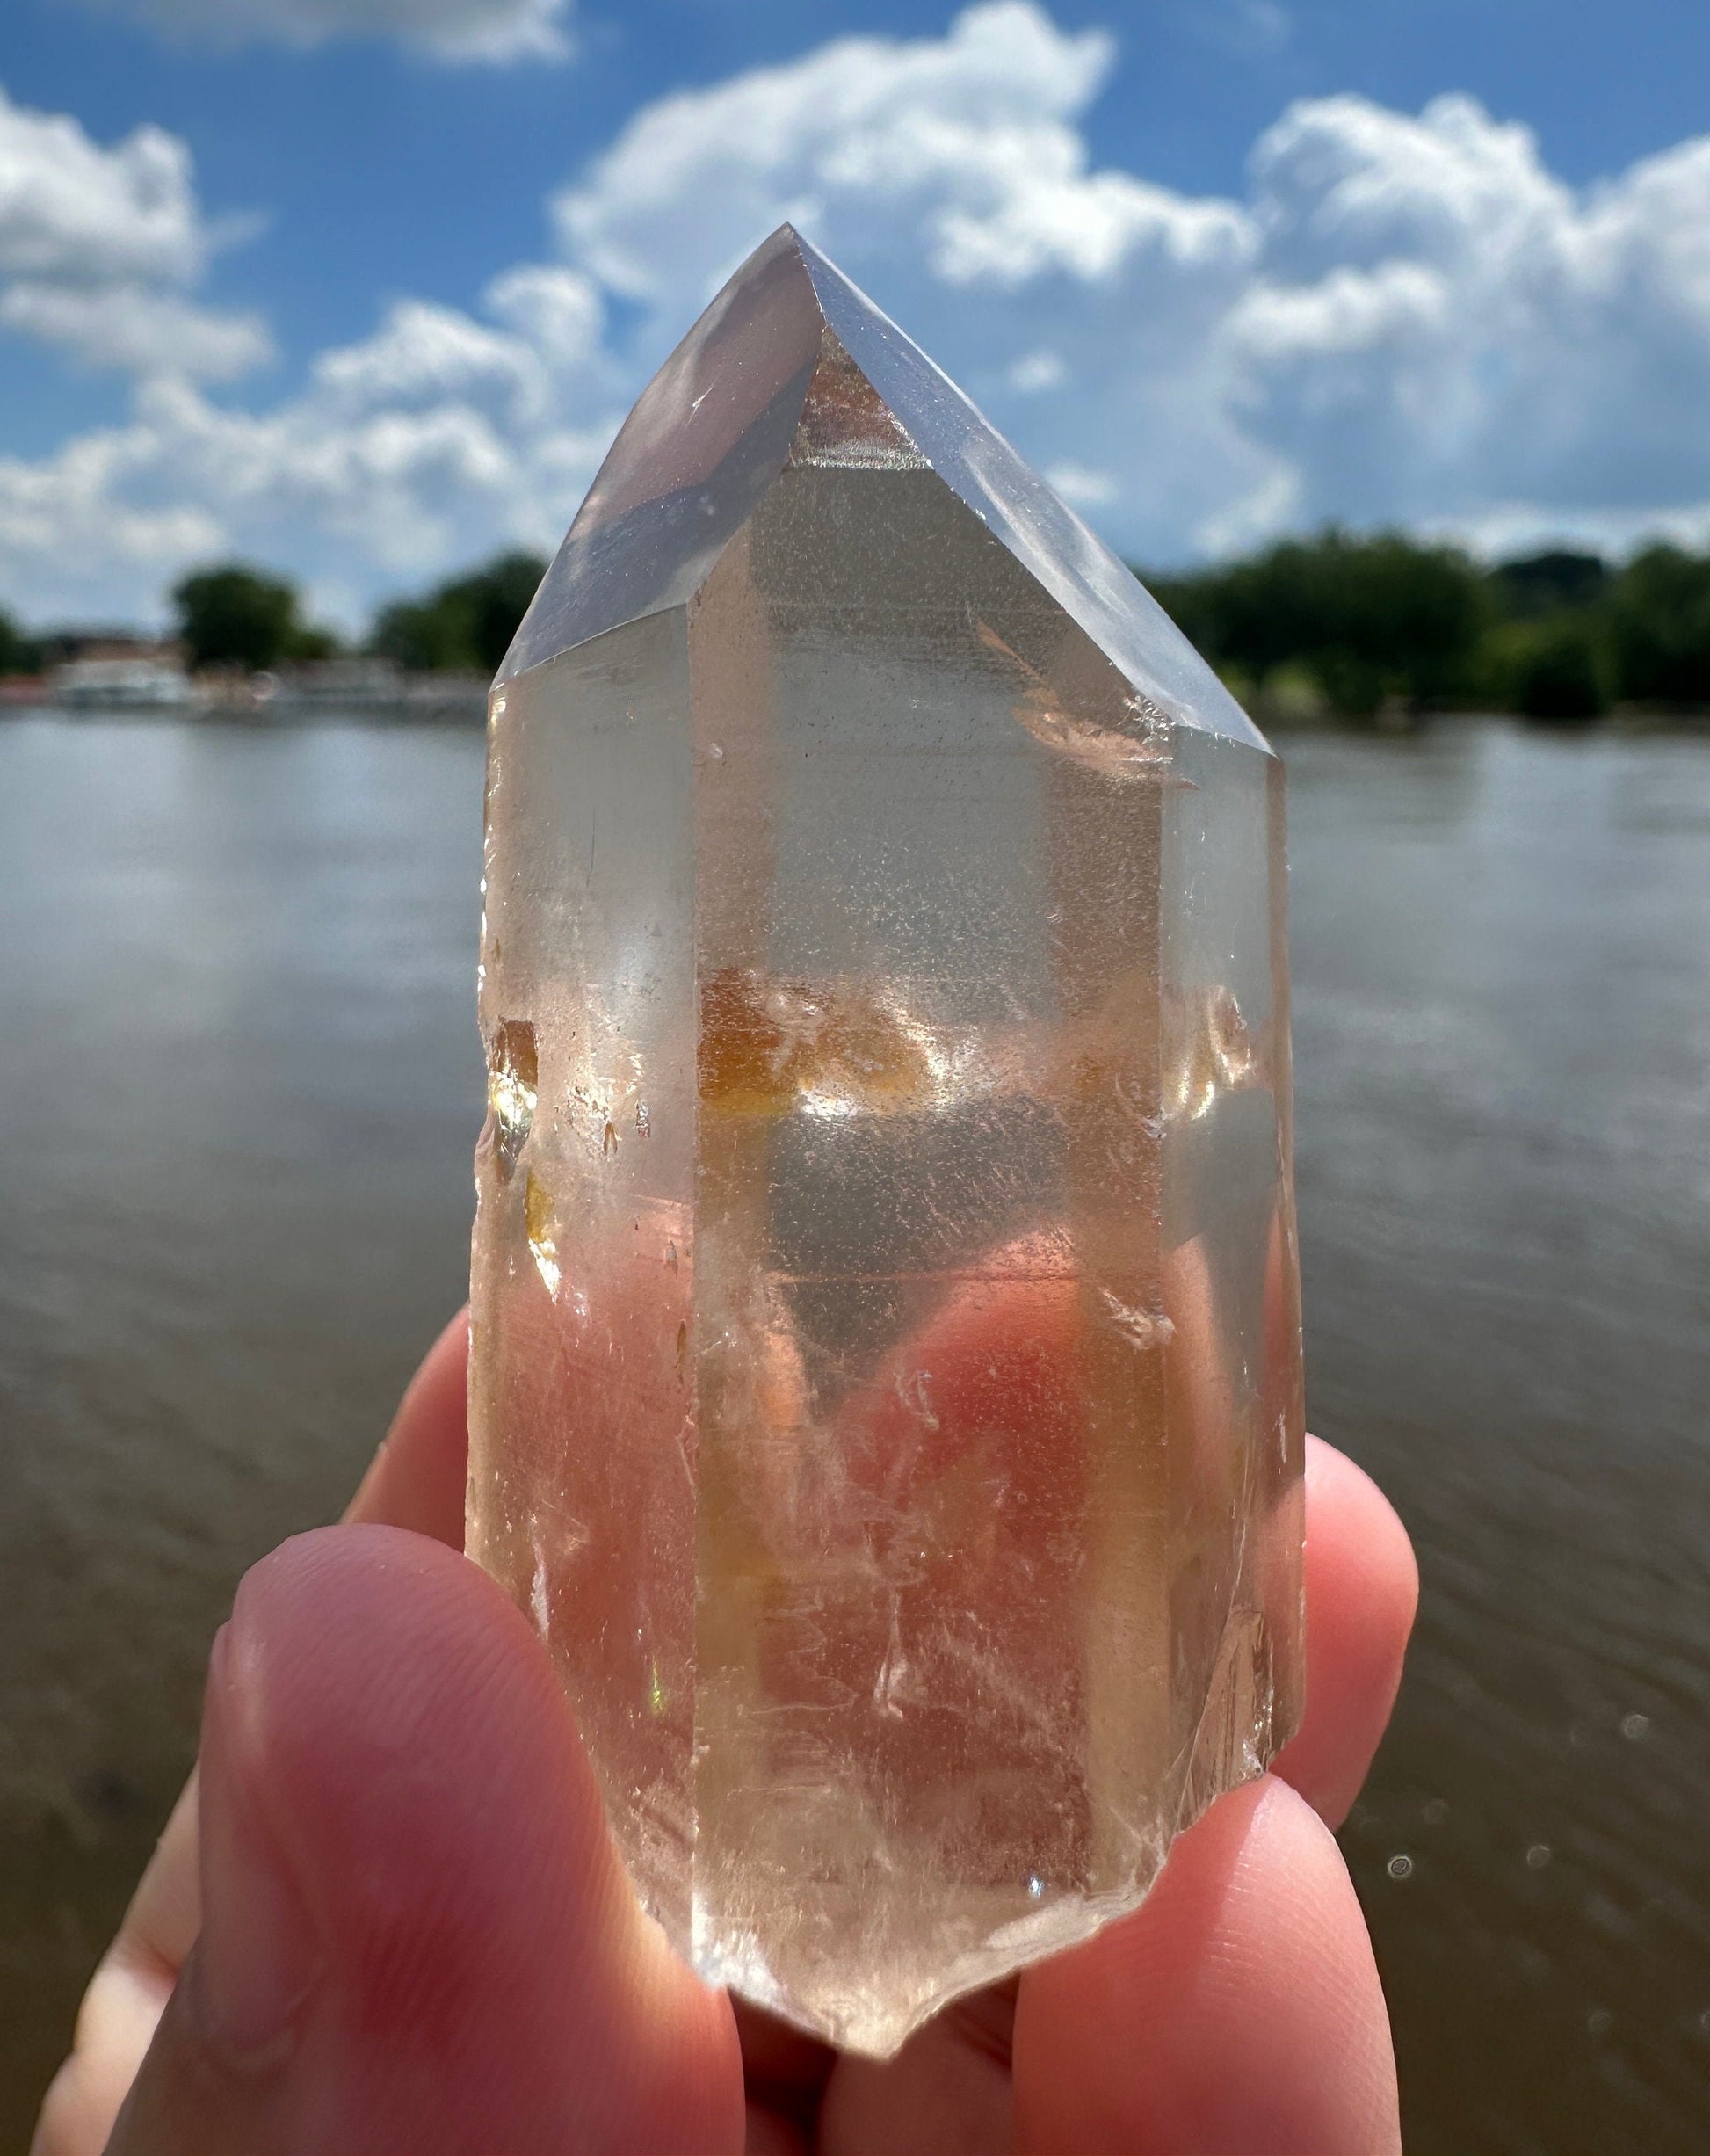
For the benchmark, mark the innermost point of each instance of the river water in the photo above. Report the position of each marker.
(239, 1085)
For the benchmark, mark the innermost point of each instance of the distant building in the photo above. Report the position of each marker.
(120, 684)
(337, 684)
(374, 687)
(74, 641)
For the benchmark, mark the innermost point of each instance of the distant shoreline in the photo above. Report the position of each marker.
(459, 710)
(463, 709)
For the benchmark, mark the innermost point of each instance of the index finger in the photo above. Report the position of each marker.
(1362, 1588)
(1237, 2008)
(417, 1478)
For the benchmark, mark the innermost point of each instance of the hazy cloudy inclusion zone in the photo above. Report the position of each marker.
(887, 1358)
(885, 842)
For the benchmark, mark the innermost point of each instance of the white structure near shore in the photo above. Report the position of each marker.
(370, 687)
(121, 684)
(345, 688)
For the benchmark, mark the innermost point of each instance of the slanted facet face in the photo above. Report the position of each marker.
(885, 1394)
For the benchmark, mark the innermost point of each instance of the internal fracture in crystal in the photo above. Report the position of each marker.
(885, 1392)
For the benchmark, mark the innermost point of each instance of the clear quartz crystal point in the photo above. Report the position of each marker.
(885, 1394)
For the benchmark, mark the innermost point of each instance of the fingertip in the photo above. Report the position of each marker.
(1362, 1593)
(418, 1478)
(1352, 1527)
(1238, 2009)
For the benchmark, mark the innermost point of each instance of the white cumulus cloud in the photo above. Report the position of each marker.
(1398, 316)
(144, 331)
(443, 434)
(99, 246)
(1441, 330)
(965, 144)
(71, 210)
(490, 30)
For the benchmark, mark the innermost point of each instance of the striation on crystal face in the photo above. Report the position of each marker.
(885, 1392)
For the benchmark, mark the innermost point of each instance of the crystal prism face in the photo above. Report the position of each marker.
(885, 1394)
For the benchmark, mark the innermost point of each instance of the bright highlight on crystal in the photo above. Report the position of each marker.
(886, 1393)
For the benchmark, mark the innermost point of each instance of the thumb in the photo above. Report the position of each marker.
(415, 1936)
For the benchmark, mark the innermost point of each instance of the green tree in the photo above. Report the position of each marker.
(1556, 668)
(233, 615)
(1659, 619)
(316, 642)
(1560, 581)
(466, 623)
(1371, 617)
(18, 654)
(422, 636)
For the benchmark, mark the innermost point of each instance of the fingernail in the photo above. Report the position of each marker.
(259, 1953)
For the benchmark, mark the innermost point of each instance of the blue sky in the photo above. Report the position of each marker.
(360, 287)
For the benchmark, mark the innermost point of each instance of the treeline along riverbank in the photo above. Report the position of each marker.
(1359, 628)
(1376, 628)
(233, 619)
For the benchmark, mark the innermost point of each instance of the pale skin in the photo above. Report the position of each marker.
(398, 1924)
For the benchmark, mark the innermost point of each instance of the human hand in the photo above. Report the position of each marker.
(414, 1934)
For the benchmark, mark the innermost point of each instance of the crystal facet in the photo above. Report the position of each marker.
(885, 1392)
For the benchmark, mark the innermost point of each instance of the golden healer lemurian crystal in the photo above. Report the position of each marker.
(886, 1393)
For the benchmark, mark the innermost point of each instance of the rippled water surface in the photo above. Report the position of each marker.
(239, 1084)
